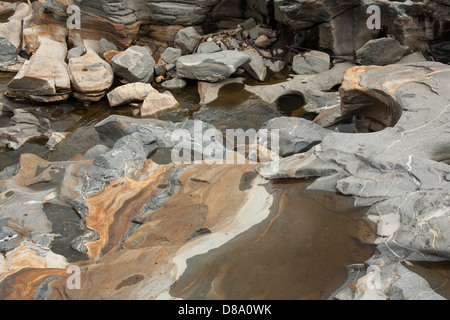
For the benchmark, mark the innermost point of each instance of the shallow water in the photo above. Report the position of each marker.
(300, 252)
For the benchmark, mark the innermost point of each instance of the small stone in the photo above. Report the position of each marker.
(263, 41)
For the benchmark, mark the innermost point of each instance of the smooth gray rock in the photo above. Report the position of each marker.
(297, 135)
(380, 52)
(174, 84)
(134, 64)
(8, 52)
(187, 39)
(106, 46)
(208, 47)
(255, 67)
(171, 55)
(75, 52)
(311, 62)
(401, 173)
(211, 67)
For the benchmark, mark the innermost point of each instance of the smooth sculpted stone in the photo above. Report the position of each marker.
(135, 64)
(401, 173)
(297, 135)
(211, 67)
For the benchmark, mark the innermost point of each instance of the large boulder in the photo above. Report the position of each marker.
(211, 67)
(135, 64)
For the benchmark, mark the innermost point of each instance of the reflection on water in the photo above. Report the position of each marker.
(437, 275)
(300, 252)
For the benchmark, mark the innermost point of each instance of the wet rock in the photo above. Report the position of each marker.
(380, 52)
(311, 62)
(128, 93)
(211, 67)
(187, 39)
(388, 170)
(24, 127)
(135, 64)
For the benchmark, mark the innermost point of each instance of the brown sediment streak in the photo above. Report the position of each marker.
(111, 211)
(22, 284)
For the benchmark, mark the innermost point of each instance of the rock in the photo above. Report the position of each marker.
(109, 55)
(135, 64)
(90, 77)
(75, 52)
(211, 67)
(388, 170)
(255, 67)
(316, 90)
(8, 52)
(24, 127)
(8, 240)
(297, 135)
(187, 39)
(55, 138)
(263, 41)
(311, 62)
(248, 24)
(12, 29)
(106, 46)
(413, 57)
(175, 83)
(303, 14)
(45, 77)
(276, 66)
(171, 55)
(157, 102)
(380, 52)
(128, 93)
(208, 47)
